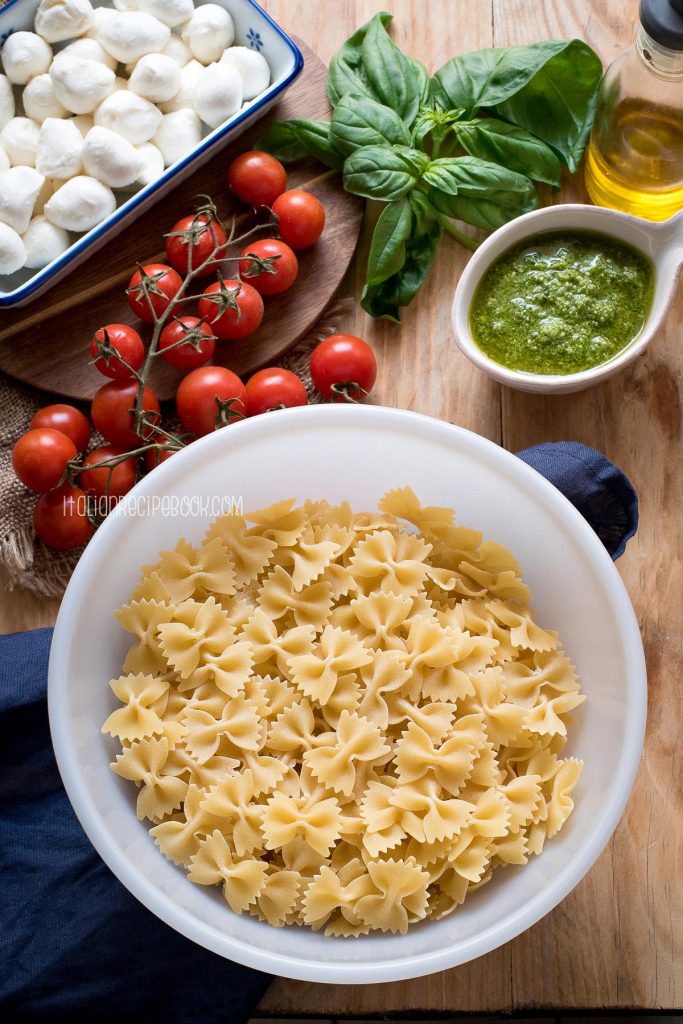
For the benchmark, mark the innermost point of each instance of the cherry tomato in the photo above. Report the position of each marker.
(112, 411)
(209, 398)
(155, 456)
(192, 240)
(107, 481)
(39, 458)
(343, 368)
(163, 284)
(125, 342)
(60, 518)
(235, 311)
(257, 178)
(187, 342)
(274, 388)
(282, 266)
(301, 217)
(67, 420)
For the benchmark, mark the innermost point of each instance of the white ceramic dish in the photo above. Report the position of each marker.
(254, 28)
(340, 452)
(661, 242)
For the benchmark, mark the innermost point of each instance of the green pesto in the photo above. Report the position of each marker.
(562, 302)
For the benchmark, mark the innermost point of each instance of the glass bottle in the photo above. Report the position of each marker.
(635, 156)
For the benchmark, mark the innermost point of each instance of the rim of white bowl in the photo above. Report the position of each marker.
(383, 970)
(559, 216)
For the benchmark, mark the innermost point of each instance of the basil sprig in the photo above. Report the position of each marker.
(467, 144)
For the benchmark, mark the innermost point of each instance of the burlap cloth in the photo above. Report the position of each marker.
(24, 560)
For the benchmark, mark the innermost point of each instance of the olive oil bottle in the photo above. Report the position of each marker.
(635, 156)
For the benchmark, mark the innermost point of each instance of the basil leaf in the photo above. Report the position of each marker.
(385, 299)
(398, 81)
(511, 146)
(346, 73)
(378, 172)
(487, 195)
(359, 121)
(292, 140)
(558, 103)
(388, 247)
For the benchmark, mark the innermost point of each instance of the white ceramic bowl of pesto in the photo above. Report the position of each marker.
(353, 453)
(661, 243)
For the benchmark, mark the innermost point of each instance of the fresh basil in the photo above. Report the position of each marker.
(346, 73)
(292, 140)
(481, 193)
(397, 81)
(380, 172)
(511, 146)
(359, 121)
(388, 248)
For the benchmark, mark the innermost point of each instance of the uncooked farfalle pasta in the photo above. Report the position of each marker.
(346, 720)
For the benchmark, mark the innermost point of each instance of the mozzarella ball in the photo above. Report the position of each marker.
(110, 158)
(130, 115)
(19, 139)
(24, 56)
(80, 84)
(19, 189)
(60, 149)
(129, 35)
(63, 19)
(251, 66)
(177, 49)
(101, 16)
(217, 94)
(80, 204)
(151, 163)
(47, 189)
(6, 101)
(155, 77)
(39, 100)
(4, 160)
(12, 250)
(44, 242)
(179, 132)
(171, 12)
(189, 76)
(83, 122)
(90, 49)
(126, 5)
(209, 32)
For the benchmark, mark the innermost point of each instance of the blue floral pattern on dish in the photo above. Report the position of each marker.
(5, 35)
(254, 40)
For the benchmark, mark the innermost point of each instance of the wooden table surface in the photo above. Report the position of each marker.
(615, 942)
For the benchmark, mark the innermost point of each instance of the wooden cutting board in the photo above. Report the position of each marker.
(46, 343)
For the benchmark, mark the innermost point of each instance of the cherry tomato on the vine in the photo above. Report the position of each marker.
(60, 518)
(232, 309)
(343, 368)
(107, 481)
(155, 456)
(274, 388)
(40, 458)
(162, 284)
(210, 397)
(301, 218)
(192, 240)
(257, 178)
(114, 343)
(112, 412)
(67, 420)
(280, 271)
(187, 342)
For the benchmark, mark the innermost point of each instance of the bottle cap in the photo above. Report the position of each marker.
(663, 22)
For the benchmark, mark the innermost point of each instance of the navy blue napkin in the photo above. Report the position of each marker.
(74, 944)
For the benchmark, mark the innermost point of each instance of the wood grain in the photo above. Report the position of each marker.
(615, 942)
(46, 343)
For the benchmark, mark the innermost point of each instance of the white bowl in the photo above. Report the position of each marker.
(254, 28)
(342, 452)
(661, 242)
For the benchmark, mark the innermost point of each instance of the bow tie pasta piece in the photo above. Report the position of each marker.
(345, 720)
(214, 862)
(394, 562)
(144, 700)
